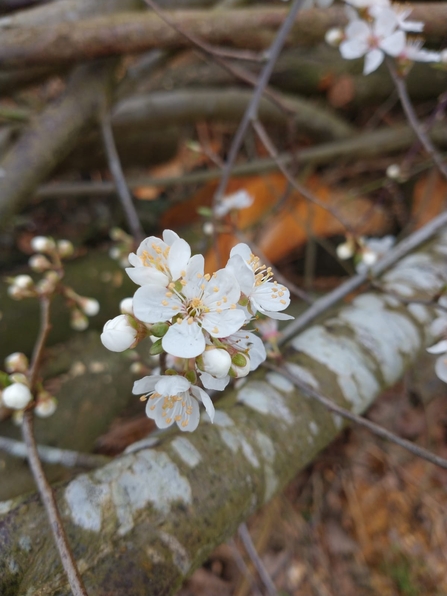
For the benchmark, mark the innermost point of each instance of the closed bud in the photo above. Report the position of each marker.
(78, 320)
(240, 370)
(65, 248)
(239, 360)
(39, 263)
(126, 306)
(334, 37)
(43, 244)
(192, 377)
(46, 405)
(89, 306)
(16, 396)
(16, 362)
(119, 334)
(216, 362)
(23, 282)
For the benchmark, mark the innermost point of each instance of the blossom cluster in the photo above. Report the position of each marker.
(197, 320)
(378, 28)
(365, 251)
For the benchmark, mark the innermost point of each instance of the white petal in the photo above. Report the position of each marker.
(151, 305)
(353, 48)
(172, 385)
(147, 275)
(184, 340)
(439, 326)
(263, 298)
(243, 250)
(278, 316)
(373, 60)
(146, 384)
(194, 276)
(394, 44)
(223, 324)
(170, 237)
(163, 418)
(192, 421)
(210, 382)
(203, 396)
(358, 29)
(441, 368)
(222, 287)
(385, 22)
(179, 255)
(438, 348)
(242, 272)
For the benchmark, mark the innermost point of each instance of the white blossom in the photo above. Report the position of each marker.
(16, 396)
(16, 362)
(254, 278)
(43, 244)
(173, 399)
(414, 52)
(119, 333)
(126, 306)
(204, 303)
(238, 200)
(372, 250)
(373, 40)
(401, 15)
(159, 262)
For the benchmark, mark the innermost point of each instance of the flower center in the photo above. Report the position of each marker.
(157, 260)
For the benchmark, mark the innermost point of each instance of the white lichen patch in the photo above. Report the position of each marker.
(341, 356)
(153, 555)
(266, 446)
(303, 375)
(386, 335)
(236, 442)
(416, 271)
(313, 427)
(402, 290)
(180, 557)
(13, 566)
(85, 501)
(271, 483)
(222, 419)
(25, 543)
(265, 399)
(186, 451)
(338, 421)
(6, 506)
(369, 302)
(150, 479)
(279, 382)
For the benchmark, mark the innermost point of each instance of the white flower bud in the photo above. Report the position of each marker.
(65, 248)
(393, 171)
(46, 405)
(369, 257)
(208, 228)
(42, 244)
(216, 362)
(39, 263)
(118, 334)
(90, 306)
(16, 396)
(126, 306)
(334, 37)
(345, 250)
(16, 362)
(241, 371)
(78, 320)
(23, 282)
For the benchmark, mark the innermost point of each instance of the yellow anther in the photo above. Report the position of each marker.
(224, 299)
(283, 301)
(207, 277)
(190, 320)
(168, 294)
(183, 273)
(233, 306)
(215, 289)
(165, 302)
(143, 398)
(168, 420)
(215, 330)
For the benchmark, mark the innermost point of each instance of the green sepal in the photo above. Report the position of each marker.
(191, 376)
(159, 329)
(239, 360)
(4, 379)
(156, 348)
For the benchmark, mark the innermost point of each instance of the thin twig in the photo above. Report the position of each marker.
(43, 486)
(307, 194)
(412, 118)
(391, 258)
(375, 428)
(252, 108)
(54, 455)
(245, 537)
(243, 568)
(119, 179)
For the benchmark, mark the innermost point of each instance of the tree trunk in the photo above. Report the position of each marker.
(145, 521)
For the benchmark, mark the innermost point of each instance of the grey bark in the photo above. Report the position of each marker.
(145, 521)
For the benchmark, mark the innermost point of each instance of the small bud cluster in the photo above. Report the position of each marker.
(15, 392)
(123, 245)
(365, 251)
(48, 262)
(196, 320)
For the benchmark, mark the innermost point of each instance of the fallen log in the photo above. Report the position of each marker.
(145, 521)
